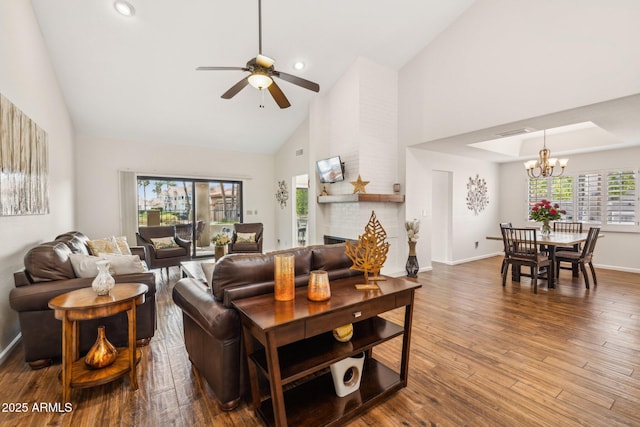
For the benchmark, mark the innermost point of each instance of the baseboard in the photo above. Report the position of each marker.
(403, 273)
(476, 258)
(617, 268)
(7, 351)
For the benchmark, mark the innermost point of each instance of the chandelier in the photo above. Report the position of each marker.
(543, 167)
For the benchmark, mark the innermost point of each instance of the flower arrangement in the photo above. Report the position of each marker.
(412, 227)
(221, 240)
(545, 211)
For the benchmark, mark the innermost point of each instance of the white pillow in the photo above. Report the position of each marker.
(84, 265)
(124, 264)
(123, 245)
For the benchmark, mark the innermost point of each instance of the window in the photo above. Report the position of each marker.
(604, 198)
(557, 189)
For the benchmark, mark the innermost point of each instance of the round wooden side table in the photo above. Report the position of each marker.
(84, 304)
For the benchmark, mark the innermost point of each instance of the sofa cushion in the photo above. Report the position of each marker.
(171, 252)
(84, 265)
(49, 261)
(76, 241)
(239, 270)
(124, 264)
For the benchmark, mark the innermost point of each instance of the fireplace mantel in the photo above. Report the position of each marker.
(362, 197)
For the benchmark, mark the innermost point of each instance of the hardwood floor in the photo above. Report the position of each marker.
(481, 355)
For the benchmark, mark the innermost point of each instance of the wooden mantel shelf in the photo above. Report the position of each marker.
(362, 197)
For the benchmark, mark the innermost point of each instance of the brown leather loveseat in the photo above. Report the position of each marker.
(48, 272)
(212, 328)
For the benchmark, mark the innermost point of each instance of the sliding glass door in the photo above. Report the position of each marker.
(200, 209)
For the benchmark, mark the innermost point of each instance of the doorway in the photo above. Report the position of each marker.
(301, 214)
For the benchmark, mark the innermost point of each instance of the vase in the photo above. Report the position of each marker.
(220, 251)
(284, 280)
(318, 289)
(102, 353)
(412, 262)
(545, 228)
(104, 282)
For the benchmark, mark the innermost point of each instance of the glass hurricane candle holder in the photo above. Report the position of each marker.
(319, 289)
(284, 271)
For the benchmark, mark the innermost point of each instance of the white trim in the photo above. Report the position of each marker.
(476, 258)
(4, 355)
(617, 268)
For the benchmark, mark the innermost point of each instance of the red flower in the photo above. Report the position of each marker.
(553, 211)
(535, 208)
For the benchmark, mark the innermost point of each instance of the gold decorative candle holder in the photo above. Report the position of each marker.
(284, 271)
(319, 289)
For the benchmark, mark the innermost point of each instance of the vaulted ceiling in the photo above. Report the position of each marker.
(135, 78)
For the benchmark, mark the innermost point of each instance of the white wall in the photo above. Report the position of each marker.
(507, 60)
(616, 250)
(27, 79)
(99, 160)
(466, 227)
(287, 166)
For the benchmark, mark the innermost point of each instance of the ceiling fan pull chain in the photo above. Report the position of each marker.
(261, 98)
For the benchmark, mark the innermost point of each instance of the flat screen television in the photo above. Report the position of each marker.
(330, 170)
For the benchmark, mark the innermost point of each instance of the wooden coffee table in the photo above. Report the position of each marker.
(84, 304)
(298, 347)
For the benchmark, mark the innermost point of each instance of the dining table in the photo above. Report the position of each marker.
(551, 241)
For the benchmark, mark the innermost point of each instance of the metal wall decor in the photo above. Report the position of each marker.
(24, 165)
(477, 198)
(282, 195)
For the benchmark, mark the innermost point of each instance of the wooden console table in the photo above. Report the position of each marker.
(298, 347)
(85, 304)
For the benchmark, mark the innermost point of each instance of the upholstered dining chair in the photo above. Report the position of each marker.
(521, 247)
(579, 259)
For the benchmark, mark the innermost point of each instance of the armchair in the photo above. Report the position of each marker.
(161, 256)
(254, 245)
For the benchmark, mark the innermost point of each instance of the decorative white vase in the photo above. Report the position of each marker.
(347, 374)
(104, 282)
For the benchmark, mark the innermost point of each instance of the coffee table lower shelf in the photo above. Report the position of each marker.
(83, 377)
(315, 402)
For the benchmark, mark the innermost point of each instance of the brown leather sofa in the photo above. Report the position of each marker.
(212, 329)
(48, 272)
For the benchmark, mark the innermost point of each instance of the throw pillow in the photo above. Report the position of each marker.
(164, 243)
(124, 264)
(123, 245)
(245, 237)
(107, 245)
(84, 265)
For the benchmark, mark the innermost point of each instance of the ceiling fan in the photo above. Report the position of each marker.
(262, 71)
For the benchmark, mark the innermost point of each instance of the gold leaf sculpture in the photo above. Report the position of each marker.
(370, 253)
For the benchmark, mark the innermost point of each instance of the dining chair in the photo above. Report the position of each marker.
(504, 260)
(521, 247)
(579, 259)
(568, 227)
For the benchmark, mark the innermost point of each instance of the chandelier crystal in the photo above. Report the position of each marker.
(544, 166)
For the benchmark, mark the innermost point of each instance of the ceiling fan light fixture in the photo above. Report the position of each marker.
(260, 80)
(124, 8)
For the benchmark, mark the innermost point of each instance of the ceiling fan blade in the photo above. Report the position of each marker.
(235, 88)
(221, 68)
(298, 81)
(278, 95)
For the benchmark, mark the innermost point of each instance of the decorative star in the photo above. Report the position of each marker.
(359, 185)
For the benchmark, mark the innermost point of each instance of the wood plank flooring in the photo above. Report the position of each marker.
(481, 355)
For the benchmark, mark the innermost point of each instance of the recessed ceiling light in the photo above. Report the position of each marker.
(124, 8)
(298, 65)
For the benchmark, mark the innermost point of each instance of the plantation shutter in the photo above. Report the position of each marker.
(590, 198)
(621, 197)
(562, 194)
